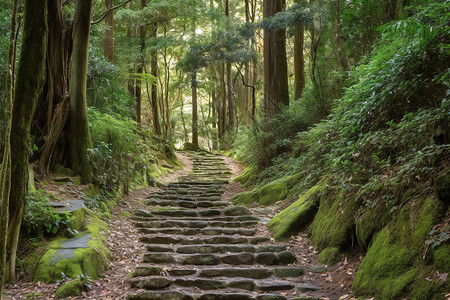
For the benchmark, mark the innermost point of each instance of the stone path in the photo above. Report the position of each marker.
(201, 247)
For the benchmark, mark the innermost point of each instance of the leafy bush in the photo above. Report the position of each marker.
(120, 153)
(40, 218)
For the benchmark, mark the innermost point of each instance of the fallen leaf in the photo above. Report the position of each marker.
(443, 277)
(343, 297)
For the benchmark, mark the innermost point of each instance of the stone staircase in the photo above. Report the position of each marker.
(201, 247)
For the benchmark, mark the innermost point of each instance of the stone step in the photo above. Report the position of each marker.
(176, 295)
(146, 216)
(236, 259)
(195, 231)
(218, 248)
(230, 211)
(219, 239)
(201, 197)
(187, 204)
(243, 273)
(159, 283)
(186, 223)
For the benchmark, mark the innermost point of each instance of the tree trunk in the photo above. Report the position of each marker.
(5, 175)
(337, 29)
(231, 101)
(79, 135)
(30, 81)
(56, 90)
(154, 86)
(108, 40)
(194, 110)
(275, 64)
(140, 69)
(299, 62)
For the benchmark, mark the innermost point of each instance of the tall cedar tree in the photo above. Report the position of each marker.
(275, 64)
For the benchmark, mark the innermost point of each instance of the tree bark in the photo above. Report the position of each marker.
(299, 62)
(5, 174)
(108, 40)
(275, 64)
(194, 110)
(337, 29)
(140, 69)
(30, 81)
(154, 86)
(79, 135)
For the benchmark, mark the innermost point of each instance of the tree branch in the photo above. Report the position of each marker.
(106, 13)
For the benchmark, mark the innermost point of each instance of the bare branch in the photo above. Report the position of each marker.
(106, 13)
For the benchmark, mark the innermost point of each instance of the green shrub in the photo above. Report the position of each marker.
(40, 218)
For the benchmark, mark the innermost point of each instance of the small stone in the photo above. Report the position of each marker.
(318, 269)
(147, 271)
(238, 259)
(307, 288)
(237, 211)
(209, 284)
(181, 272)
(274, 286)
(157, 258)
(248, 285)
(199, 259)
(286, 257)
(151, 283)
(266, 258)
(288, 272)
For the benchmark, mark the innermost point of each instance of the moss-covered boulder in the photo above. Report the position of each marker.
(71, 288)
(333, 225)
(370, 221)
(394, 267)
(244, 198)
(330, 256)
(247, 177)
(298, 215)
(70, 258)
(273, 192)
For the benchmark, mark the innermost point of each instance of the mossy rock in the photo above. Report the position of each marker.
(70, 258)
(370, 222)
(393, 265)
(71, 288)
(244, 198)
(330, 256)
(298, 215)
(333, 225)
(246, 175)
(273, 192)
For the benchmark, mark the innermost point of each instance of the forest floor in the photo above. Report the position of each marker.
(126, 254)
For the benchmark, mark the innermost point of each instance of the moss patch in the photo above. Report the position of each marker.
(333, 224)
(71, 288)
(244, 198)
(92, 259)
(393, 264)
(330, 256)
(370, 222)
(247, 177)
(298, 215)
(273, 192)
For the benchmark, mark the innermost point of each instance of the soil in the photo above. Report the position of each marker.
(126, 253)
